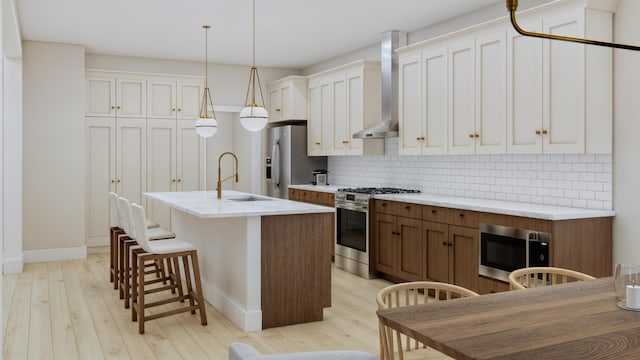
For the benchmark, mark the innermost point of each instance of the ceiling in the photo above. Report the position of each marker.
(289, 33)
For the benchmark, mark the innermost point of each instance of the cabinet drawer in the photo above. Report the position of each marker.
(399, 209)
(466, 218)
(436, 214)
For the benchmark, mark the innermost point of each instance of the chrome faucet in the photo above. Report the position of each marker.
(225, 179)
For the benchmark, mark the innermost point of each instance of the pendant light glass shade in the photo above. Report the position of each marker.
(206, 125)
(254, 116)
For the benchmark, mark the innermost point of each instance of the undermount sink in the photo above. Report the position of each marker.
(248, 198)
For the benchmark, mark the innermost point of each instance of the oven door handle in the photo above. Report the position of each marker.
(352, 207)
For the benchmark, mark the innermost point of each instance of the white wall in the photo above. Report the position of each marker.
(11, 138)
(53, 145)
(626, 169)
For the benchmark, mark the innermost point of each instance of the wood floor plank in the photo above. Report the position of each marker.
(87, 338)
(8, 289)
(16, 333)
(40, 321)
(97, 323)
(137, 347)
(63, 339)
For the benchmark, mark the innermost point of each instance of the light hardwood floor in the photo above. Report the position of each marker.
(69, 310)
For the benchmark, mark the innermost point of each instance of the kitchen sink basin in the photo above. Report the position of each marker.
(248, 198)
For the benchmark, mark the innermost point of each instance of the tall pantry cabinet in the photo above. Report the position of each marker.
(129, 152)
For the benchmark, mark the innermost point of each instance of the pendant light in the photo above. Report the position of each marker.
(206, 125)
(254, 116)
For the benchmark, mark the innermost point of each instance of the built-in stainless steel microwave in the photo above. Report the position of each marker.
(504, 249)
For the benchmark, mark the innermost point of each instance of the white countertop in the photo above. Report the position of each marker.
(321, 188)
(537, 211)
(204, 204)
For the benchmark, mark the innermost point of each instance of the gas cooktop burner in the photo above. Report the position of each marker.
(375, 191)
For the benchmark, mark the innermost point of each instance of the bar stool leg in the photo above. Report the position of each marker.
(198, 284)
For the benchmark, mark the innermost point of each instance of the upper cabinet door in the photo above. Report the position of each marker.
(162, 99)
(410, 97)
(436, 107)
(524, 91)
(462, 96)
(188, 100)
(355, 111)
(100, 97)
(564, 87)
(491, 94)
(131, 98)
(339, 116)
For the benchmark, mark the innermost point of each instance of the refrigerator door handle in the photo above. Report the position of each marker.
(275, 158)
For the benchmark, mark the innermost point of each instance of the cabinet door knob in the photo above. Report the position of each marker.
(461, 215)
(407, 207)
(423, 138)
(278, 110)
(433, 211)
(538, 132)
(317, 142)
(449, 244)
(544, 132)
(444, 243)
(113, 107)
(179, 180)
(384, 204)
(113, 181)
(173, 180)
(418, 138)
(470, 136)
(476, 135)
(179, 109)
(118, 181)
(118, 107)
(345, 141)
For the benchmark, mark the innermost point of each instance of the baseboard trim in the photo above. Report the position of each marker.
(13, 265)
(44, 255)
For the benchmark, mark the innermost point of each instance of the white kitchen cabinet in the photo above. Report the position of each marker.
(559, 92)
(287, 99)
(342, 101)
(170, 99)
(116, 161)
(477, 93)
(491, 92)
(174, 162)
(423, 108)
(512, 94)
(462, 107)
(524, 95)
(111, 97)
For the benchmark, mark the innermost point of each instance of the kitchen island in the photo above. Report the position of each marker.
(264, 262)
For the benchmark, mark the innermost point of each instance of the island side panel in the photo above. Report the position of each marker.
(584, 245)
(296, 268)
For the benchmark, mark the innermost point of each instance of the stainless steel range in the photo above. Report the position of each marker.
(352, 227)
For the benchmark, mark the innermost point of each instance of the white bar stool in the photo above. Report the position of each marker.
(127, 242)
(171, 251)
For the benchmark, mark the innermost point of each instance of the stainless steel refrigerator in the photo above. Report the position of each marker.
(287, 162)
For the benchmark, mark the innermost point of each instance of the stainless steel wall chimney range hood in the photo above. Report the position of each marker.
(388, 126)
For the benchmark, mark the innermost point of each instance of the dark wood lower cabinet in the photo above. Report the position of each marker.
(412, 242)
(464, 253)
(400, 247)
(437, 241)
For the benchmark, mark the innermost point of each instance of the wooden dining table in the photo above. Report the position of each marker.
(579, 320)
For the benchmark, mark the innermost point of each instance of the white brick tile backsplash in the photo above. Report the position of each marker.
(583, 181)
